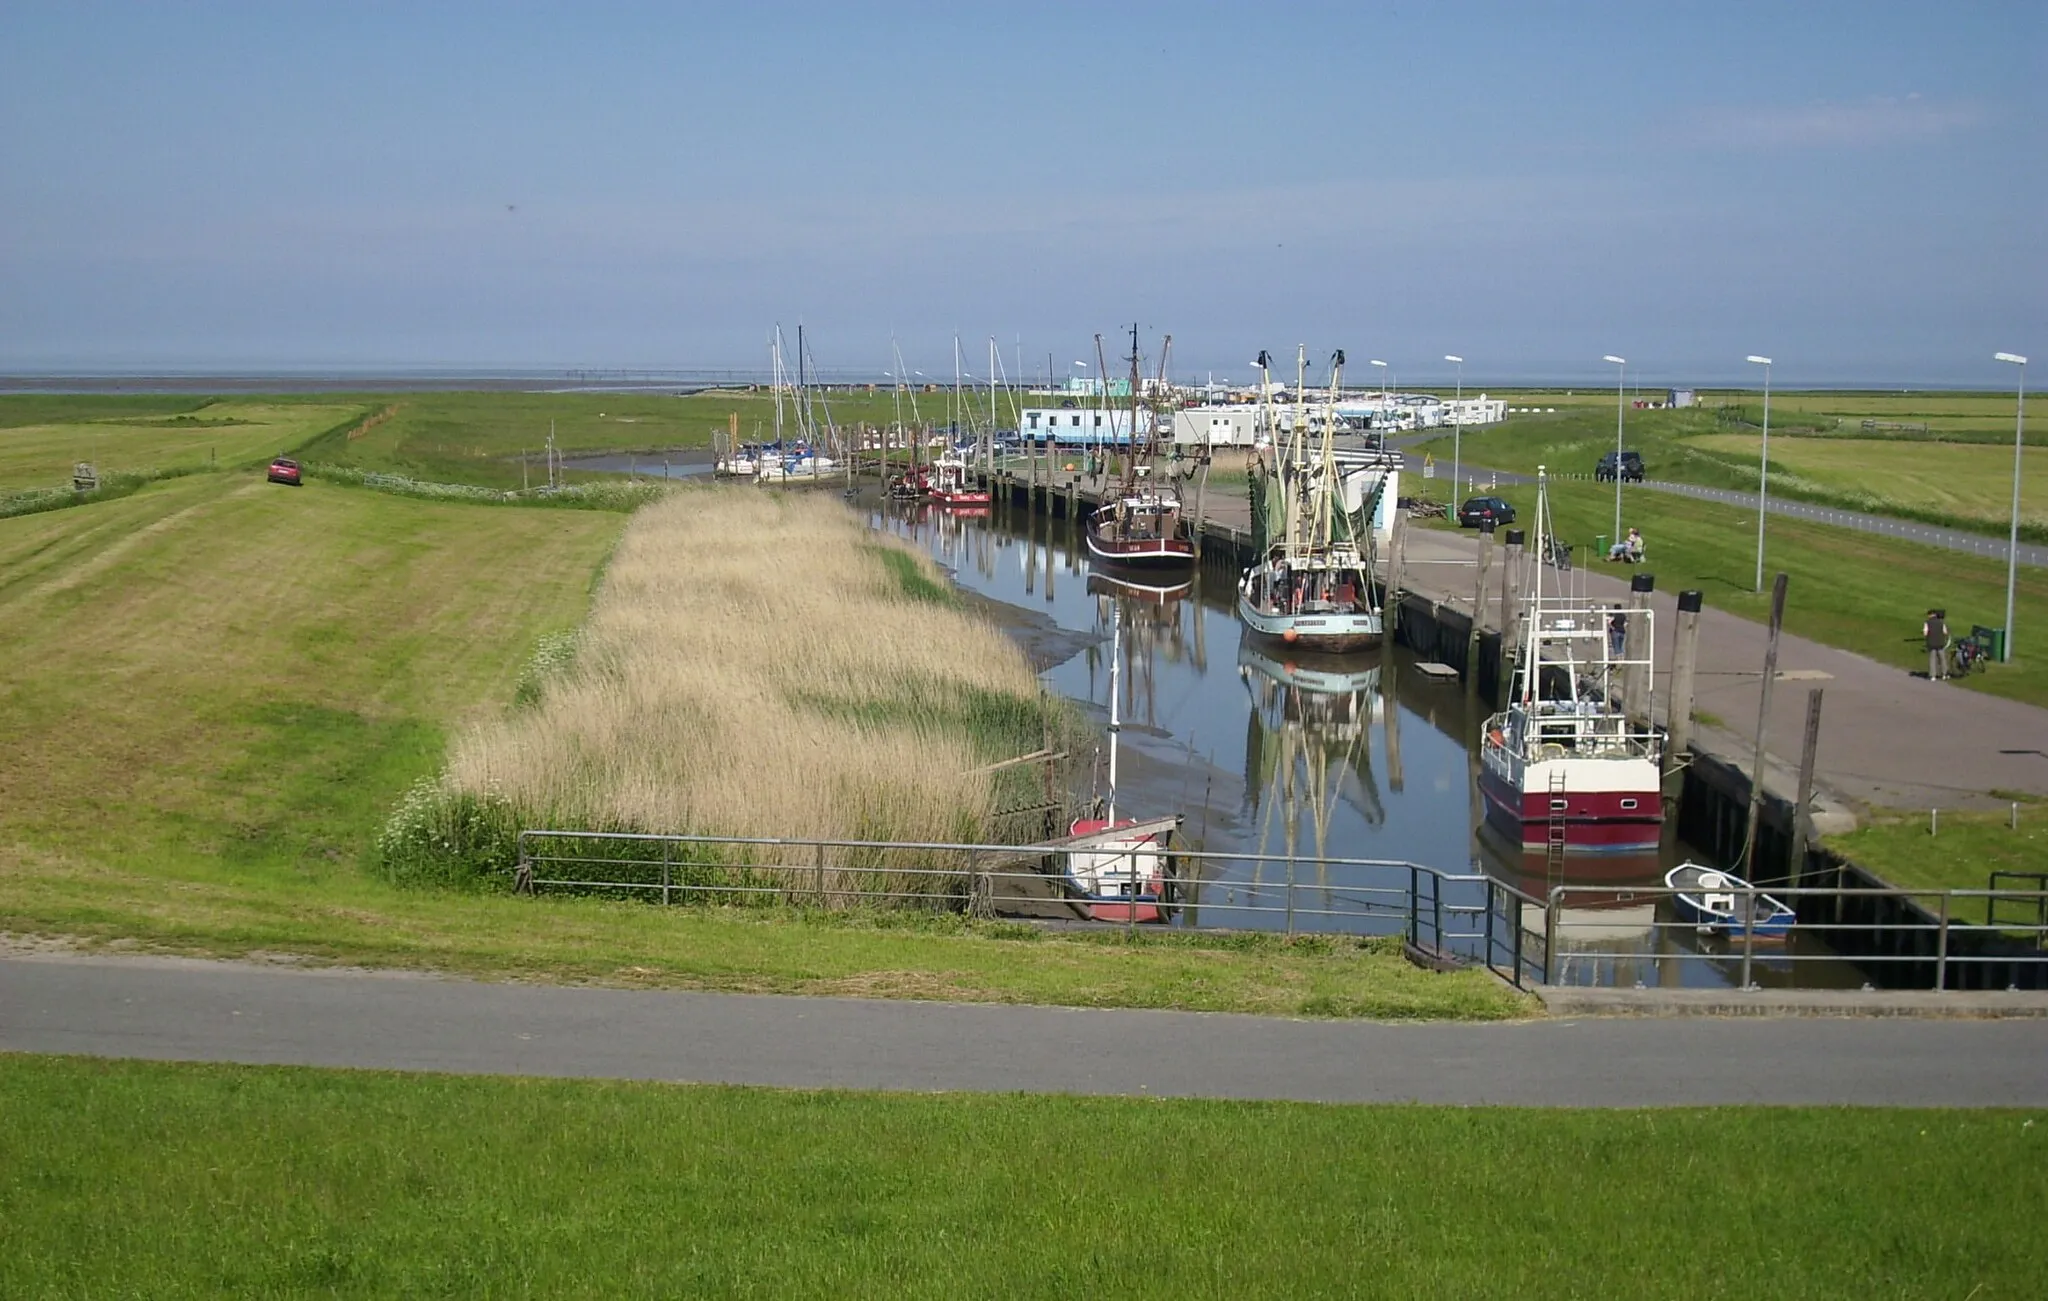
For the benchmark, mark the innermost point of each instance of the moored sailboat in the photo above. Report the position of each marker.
(1122, 877)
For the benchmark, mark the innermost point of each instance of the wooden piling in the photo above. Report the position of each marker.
(1478, 608)
(1802, 817)
(1763, 720)
(1684, 669)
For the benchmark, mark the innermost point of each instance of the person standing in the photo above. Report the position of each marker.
(1617, 634)
(1935, 630)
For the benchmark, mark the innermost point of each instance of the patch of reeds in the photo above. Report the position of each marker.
(755, 665)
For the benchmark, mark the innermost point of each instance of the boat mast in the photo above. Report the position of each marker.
(775, 381)
(1116, 655)
(1131, 458)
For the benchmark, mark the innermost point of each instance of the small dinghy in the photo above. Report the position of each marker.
(1717, 901)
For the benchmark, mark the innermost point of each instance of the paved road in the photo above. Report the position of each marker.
(168, 1009)
(1949, 539)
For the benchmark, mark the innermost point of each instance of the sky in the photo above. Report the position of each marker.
(1854, 189)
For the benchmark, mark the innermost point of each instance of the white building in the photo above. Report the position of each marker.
(1231, 426)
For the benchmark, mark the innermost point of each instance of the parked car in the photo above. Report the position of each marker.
(1477, 512)
(285, 470)
(1631, 467)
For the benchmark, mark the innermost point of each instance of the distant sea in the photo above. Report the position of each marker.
(627, 380)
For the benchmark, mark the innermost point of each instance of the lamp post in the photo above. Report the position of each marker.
(1457, 422)
(1620, 378)
(1383, 396)
(2012, 546)
(1763, 477)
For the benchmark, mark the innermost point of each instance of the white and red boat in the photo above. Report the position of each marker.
(1564, 768)
(1140, 526)
(1122, 878)
(952, 484)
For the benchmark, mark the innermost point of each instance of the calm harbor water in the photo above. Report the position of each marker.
(1303, 759)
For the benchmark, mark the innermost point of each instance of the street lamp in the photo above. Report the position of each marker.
(1457, 422)
(1383, 388)
(2012, 546)
(1620, 378)
(1763, 477)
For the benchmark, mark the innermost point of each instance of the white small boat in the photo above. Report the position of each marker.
(1720, 901)
(1120, 868)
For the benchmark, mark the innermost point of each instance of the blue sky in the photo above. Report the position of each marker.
(1855, 189)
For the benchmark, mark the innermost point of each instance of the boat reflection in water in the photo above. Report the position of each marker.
(1308, 751)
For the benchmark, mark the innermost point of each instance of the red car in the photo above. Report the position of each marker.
(285, 470)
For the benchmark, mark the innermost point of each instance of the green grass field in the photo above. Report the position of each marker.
(1970, 481)
(146, 438)
(213, 692)
(156, 1180)
(1853, 590)
(1958, 850)
(1964, 483)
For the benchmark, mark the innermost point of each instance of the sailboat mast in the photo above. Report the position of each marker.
(1131, 458)
(1116, 658)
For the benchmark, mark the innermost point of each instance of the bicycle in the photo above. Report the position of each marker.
(1964, 656)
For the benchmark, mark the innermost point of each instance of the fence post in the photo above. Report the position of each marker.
(1491, 894)
(821, 873)
(667, 848)
(1550, 932)
(1749, 940)
(1941, 945)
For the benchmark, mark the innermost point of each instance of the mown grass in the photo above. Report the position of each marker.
(1854, 590)
(1955, 850)
(1908, 480)
(1961, 484)
(212, 693)
(146, 438)
(124, 1178)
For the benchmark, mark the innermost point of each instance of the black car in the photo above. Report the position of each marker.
(1480, 511)
(1631, 467)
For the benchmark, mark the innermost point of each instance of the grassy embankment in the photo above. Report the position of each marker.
(1853, 590)
(132, 441)
(1959, 850)
(213, 692)
(1955, 476)
(184, 1180)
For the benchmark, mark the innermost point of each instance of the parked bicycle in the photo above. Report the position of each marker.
(1964, 655)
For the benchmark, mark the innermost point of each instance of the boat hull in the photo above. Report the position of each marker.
(1141, 553)
(1627, 819)
(1119, 880)
(1331, 632)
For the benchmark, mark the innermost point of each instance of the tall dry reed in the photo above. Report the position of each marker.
(758, 665)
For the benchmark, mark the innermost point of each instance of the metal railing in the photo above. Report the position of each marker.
(1922, 938)
(1448, 918)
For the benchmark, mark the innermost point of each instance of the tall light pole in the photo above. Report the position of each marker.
(2012, 546)
(1620, 378)
(1763, 477)
(1457, 422)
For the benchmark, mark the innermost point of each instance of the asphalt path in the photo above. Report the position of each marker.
(180, 1010)
(1975, 544)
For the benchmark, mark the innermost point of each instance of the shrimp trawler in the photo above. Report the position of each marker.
(1563, 768)
(1312, 522)
(1140, 525)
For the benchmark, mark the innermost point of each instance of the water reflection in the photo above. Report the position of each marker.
(1302, 758)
